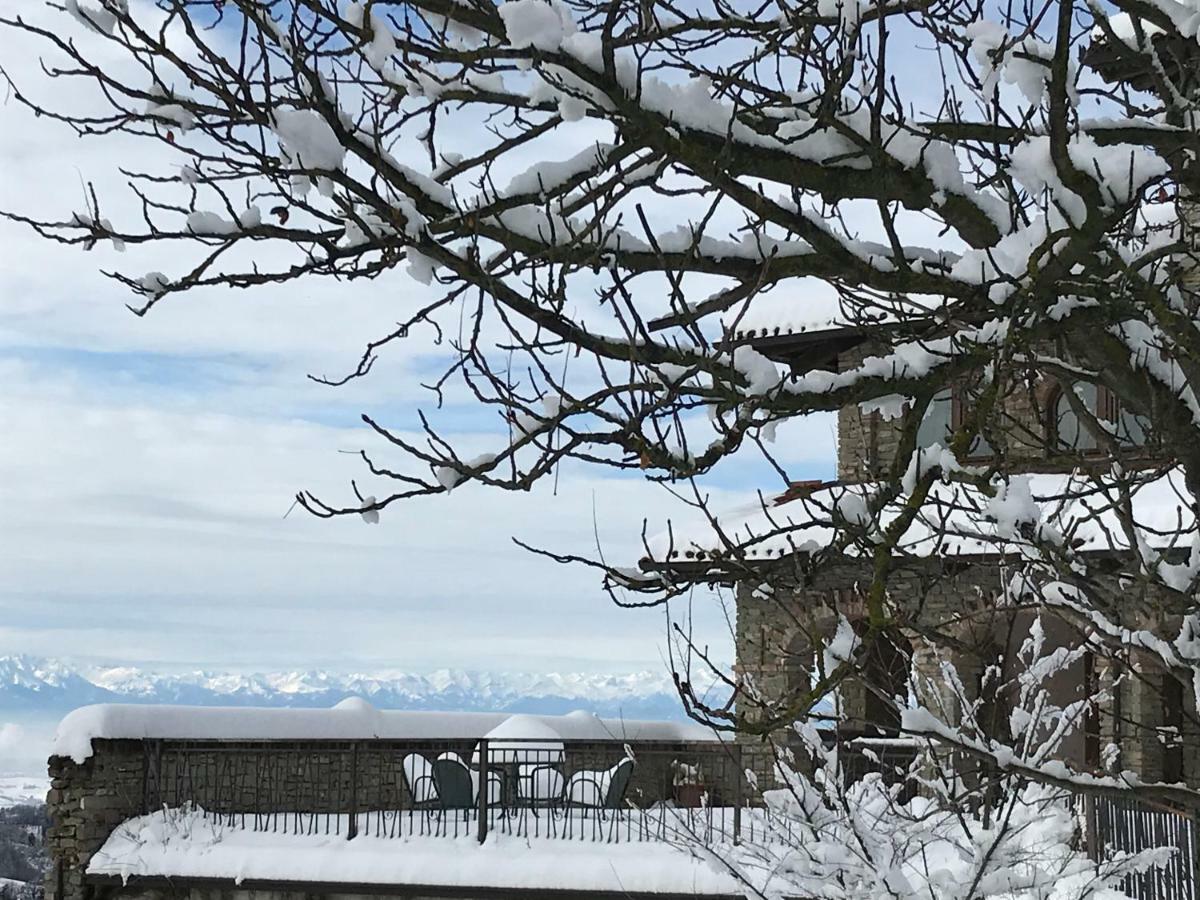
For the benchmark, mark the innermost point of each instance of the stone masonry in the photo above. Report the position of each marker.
(867, 443)
(85, 803)
(778, 630)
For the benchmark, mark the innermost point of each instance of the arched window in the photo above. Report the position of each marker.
(1066, 432)
(945, 415)
(936, 427)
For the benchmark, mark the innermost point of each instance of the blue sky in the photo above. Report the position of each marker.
(147, 464)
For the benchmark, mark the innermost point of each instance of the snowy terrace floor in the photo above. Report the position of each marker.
(662, 853)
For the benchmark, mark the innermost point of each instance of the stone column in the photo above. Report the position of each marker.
(777, 637)
(85, 803)
(1142, 708)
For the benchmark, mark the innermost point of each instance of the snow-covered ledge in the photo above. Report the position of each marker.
(351, 720)
(186, 847)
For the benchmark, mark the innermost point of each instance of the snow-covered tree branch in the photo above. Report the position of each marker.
(647, 233)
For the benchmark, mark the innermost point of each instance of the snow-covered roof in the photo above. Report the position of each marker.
(812, 311)
(779, 314)
(352, 719)
(957, 520)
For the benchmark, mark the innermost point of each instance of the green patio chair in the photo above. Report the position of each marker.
(453, 783)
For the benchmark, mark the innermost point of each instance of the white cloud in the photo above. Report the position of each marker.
(146, 464)
(11, 735)
(140, 532)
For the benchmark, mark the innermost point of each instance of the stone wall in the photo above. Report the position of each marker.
(779, 634)
(860, 439)
(85, 803)
(868, 444)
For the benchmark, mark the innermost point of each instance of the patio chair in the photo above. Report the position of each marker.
(599, 790)
(539, 784)
(458, 786)
(418, 775)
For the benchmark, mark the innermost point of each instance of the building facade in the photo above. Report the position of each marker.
(1150, 724)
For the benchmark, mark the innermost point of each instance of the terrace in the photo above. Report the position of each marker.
(359, 801)
(355, 800)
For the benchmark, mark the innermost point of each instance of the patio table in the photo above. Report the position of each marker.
(520, 741)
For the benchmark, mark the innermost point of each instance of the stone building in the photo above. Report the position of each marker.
(786, 616)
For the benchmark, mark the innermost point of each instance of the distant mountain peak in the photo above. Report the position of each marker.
(47, 685)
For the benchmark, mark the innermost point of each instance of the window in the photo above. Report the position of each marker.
(946, 414)
(1068, 433)
(937, 424)
(1171, 732)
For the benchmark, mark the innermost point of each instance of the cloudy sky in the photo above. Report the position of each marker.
(146, 466)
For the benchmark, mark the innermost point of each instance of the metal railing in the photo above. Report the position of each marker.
(610, 791)
(584, 790)
(1125, 826)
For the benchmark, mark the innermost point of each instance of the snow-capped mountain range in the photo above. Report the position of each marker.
(32, 684)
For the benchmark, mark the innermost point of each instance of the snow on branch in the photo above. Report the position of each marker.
(669, 242)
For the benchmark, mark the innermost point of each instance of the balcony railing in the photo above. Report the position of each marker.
(561, 790)
(608, 791)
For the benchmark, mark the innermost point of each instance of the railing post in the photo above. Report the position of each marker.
(146, 748)
(352, 827)
(738, 775)
(482, 800)
(151, 775)
(1091, 831)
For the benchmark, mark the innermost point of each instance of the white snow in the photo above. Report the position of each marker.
(841, 646)
(536, 23)
(1122, 25)
(449, 477)
(94, 16)
(500, 689)
(206, 223)
(523, 737)
(762, 375)
(307, 140)
(356, 720)
(382, 47)
(546, 176)
(889, 407)
(420, 267)
(186, 843)
(103, 225)
(368, 513)
(154, 283)
(172, 112)
(848, 12)
(1120, 170)
(18, 790)
(1024, 63)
